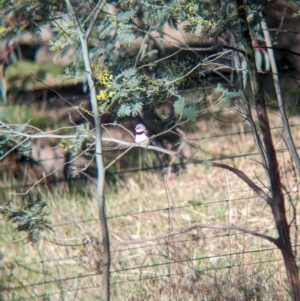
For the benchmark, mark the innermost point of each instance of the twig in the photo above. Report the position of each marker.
(238, 173)
(120, 156)
(94, 14)
(13, 148)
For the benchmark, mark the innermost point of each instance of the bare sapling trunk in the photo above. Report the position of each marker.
(83, 36)
(276, 201)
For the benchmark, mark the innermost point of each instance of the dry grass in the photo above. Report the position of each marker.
(202, 264)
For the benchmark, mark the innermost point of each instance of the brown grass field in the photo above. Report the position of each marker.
(147, 262)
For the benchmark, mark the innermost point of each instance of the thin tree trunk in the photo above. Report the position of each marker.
(83, 36)
(101, 179)
(277, 200)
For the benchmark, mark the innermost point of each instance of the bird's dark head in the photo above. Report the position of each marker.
(140, 128)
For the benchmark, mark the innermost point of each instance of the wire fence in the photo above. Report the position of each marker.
(121, 172)
(156, 254)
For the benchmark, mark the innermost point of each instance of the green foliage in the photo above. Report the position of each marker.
(111, 45)
(122, 41)
(147, 54)
(131, 67)
(228, 98)
(13, 138)
(188, 112)
(81, 141)
(30, 219)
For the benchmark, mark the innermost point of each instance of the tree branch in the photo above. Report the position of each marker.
(201, 226)
(74, 17)
(281, 105)
(238, 173)
(94, 14)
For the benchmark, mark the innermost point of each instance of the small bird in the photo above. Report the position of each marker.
(141, 135)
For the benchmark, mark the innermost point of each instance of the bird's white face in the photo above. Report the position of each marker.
(140, 128)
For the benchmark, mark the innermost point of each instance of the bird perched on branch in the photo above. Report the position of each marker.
(141, 135)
